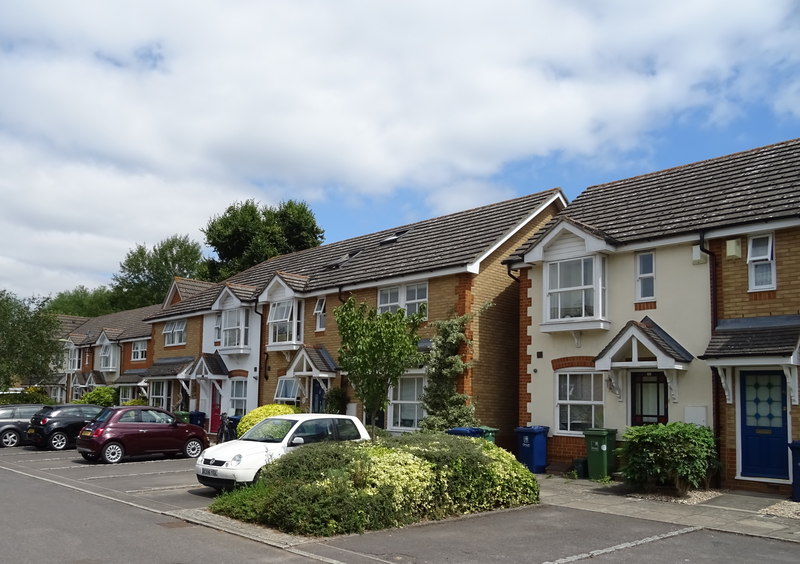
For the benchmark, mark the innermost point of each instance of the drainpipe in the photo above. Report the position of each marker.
(508, 271)
(715, 395)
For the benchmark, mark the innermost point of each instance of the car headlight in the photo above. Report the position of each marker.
(202, 455)
(235, 461)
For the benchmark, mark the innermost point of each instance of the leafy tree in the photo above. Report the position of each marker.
(83, 302)
(446, 408)
(146, 275)
(376, 351)
(248, 234)
(29, 348)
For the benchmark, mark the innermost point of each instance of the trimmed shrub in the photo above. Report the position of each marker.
(28, 395)
(262, 412)
(337, 488)
(136, 401)
(680, 455)
(102, 395)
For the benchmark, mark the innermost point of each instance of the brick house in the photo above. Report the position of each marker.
(109, 350)
(284, 306)
(672, 296)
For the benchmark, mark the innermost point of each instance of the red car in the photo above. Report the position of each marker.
(117, 432)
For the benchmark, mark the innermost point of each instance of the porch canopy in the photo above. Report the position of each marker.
(756, 341)
(643, 345)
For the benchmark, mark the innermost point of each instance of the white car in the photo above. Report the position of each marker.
(238, 462)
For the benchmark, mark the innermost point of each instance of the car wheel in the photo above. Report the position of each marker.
(112, 453)
(10, 438)
(193, 448)
(58, 441)
(89, 456)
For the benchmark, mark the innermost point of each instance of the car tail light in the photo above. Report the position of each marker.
(43, 421)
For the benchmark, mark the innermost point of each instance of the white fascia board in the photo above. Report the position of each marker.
(750, 361)
(185, 316)
(759, 227)
(475, 266)
(399, 280)
(593, 244)
(276, 283)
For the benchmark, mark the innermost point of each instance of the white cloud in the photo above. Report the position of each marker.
(128, 122)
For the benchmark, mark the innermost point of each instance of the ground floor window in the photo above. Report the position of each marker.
(405, 403)
(288, 390)
(648, 398)
(238, 397)
(579, 401)
(159, 394)
(126, 393)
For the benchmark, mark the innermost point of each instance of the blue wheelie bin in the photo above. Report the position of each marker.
(532, 447)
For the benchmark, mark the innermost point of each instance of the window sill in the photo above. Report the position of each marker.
(234, 350)
(577, 325)
(288, 346)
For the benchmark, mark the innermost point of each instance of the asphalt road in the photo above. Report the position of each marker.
(59, 508)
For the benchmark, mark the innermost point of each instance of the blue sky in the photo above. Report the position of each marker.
(125, 123)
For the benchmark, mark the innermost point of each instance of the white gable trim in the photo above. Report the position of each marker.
(277, 291)
(631, 337)
(593, 244)
(474, 267)
(223, 300)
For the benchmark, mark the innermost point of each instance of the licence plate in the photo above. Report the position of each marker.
(85, 433)
(31, 431)
(208, 471)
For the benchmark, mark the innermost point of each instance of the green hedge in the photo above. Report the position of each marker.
(677, 454)
(254, 416)
(336, 488)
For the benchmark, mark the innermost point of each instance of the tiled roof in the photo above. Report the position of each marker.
(755, 336)
(758, 185)
(70, 323)
(164, 367)
(188, 287)
(657, 335)
(428, 246)
(215, 363)
(117, 326)
(321, 359)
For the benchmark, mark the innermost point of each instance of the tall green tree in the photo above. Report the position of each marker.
(377, 349)
(146, 274)
(445, 407)
(29, 347)
(248, 234)
(83, 302)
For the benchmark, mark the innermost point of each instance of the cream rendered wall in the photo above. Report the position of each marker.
(682, 310)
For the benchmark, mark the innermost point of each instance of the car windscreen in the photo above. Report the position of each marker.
(269, 430)
(104, 415)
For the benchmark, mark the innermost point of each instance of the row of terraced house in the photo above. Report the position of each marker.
(672, 296)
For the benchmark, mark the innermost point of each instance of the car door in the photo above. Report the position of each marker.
(159, 433)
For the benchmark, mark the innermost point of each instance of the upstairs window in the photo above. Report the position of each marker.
(175, 333)
(218, 327)
(411, 298)
(236, 328)
(108, 359)
(319, 314)
(139, 350)
(645, 276)
(74, 359)
(285, 322)
(761, 263)
(575, 289)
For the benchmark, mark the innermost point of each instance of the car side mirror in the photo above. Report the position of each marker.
(297, 441)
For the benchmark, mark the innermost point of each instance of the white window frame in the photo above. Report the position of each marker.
(236, 328)
(218, 327)
(138, 350)
(159, 393)
(597, 387)
(238, 396)
(756, 262)
(285, 322)
(594, 282)
(401, 404)
(126, 393)
(643, 276)
(74, 360)
(319, 314)
(392, 298)
(175, 333)
(286, 385)
(108, 360)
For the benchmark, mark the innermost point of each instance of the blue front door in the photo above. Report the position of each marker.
(765, 451)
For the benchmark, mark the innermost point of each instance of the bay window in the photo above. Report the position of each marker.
(575, 289)
(285, 322)
(236, 328)
(108, 358)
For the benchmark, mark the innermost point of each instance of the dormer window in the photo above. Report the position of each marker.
(236, 328)
(285, 322)
(575, 292)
